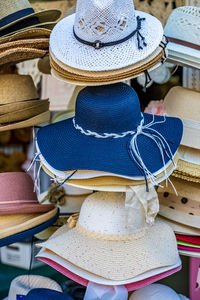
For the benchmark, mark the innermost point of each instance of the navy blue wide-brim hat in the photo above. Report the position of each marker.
(109, 133)
(45, 294)
(27, 233)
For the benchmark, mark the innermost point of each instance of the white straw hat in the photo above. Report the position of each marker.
(21, 285)
(105, 35)
(102, 242)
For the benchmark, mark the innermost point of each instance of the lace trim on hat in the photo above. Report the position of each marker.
(98, 44)
(133, 148)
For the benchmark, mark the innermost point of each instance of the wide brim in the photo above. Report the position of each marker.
(35, 43)
(25, 34)
(91, 80)
(180, 228)
(25, 208)
(83, 277)
(25, 113)
(12, 224)
(109, 183)
(39, 119)
(48, 15)
(16, 106)
(189, 253)
(20, 54)
(184, 52)
(179, 217)
(117, 260)
(187, 168)
(59, 144)
(14, 238)
(185, 176)
(83, 57)
(191, 137)
(155, 55)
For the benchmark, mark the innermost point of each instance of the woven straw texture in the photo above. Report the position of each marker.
(8, 7)
(15, 107)
(16, 88)
(115, 260)
(41, 43)
(27, 33)
(185, 176)
(12, 224)
(84, 57)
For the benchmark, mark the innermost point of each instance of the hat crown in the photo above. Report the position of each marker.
(108, 109)
(105, 21)
(104, 213)
(16, 186)
(14, 88)
(184, 24)
(8, 7)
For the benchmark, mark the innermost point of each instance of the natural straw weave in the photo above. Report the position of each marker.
(12, 224)
(39, 119)
(101, 253)
(26, 113)
(19, 54)
(14, 107)
(37, 43)
(26, 34)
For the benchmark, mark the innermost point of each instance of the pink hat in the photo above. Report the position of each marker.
(17, 196)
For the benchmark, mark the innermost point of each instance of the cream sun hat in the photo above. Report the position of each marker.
(103, 243)
(185, 104)
(104, 36)
(21, 285)
(183, 32)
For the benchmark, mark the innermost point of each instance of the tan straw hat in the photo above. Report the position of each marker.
(18, 106)
(183, 208)
(25, 34)
(102, 243)
(108, 183)
(35, 43)
(25, 113)
(16, 15)
(185, 104)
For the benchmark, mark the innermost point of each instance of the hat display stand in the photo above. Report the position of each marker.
(109, 217)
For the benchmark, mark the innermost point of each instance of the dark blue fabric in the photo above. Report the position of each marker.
(20, 25)
(46, 294)
(106, 109)
(16, 16)
(28, 233)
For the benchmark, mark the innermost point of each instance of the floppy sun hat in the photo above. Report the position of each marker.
(16, 15)
(110, 248)
(109, 133)
(105, 35)
(183, 208)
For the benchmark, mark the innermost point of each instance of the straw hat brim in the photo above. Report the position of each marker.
(39, 119)
(43, 16)
(26, 34)
(110, 156)
(179, 228)
(25, 113)
(83, 57)
(188, 169)
(45, 26)
(16, 106)
(131, 72)
(109, 183)
(117, 260)
(19, 54)
(12, 224)
(26, 208)
(186, 177)
(22, 235)
(37, 43)
(100, 74)
(83, 277)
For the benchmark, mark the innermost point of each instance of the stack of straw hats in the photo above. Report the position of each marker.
(129, 43)
(21, 214)
(20, 105)
(183, 32)
(24, 34)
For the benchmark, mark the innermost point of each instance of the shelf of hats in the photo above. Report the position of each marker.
(99, 150)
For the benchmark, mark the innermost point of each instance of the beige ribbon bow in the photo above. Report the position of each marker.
(141, 206)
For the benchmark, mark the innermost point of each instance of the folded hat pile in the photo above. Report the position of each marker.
(24, 33)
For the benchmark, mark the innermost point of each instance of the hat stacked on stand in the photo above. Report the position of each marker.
(24, 33)
(129, 42)
(113, 245)
(183, 33)
(20, 105)
(21, 214)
